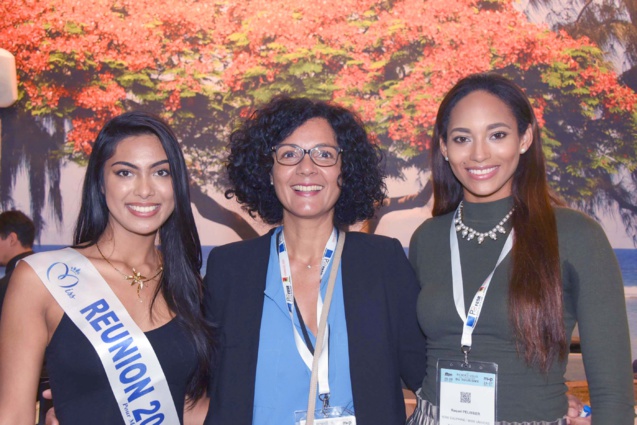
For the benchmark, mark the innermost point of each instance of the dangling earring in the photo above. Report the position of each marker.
(271, 180)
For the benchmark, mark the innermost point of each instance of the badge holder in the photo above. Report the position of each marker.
(467, 392)
(327, 415)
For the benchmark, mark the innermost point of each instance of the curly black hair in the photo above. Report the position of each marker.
(250, 161)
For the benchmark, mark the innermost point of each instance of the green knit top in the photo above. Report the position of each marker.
(593, 297)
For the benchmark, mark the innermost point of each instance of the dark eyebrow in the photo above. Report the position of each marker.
(489, 127)
(498, 124)
(125, 164)
(320, 145)
(162, 162)
(460, 129)
(128, 164)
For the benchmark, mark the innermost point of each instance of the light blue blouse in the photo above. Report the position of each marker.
(282, 379)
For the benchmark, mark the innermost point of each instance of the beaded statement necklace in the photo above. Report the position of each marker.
(470, 233)
(137, 278)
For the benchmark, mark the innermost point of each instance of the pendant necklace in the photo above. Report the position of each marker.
(470, 233)
(137, 278)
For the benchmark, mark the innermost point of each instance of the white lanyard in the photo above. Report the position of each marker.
(470, 320)
(131, 365)
(286, 280)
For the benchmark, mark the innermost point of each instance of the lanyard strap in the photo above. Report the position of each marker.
(306, 335)
(322, 328)
(470, 320)
(286, 280)
(131, 365)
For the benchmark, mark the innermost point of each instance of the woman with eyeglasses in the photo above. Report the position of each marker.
(309, 167)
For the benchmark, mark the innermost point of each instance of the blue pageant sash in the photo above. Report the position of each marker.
(133, 370)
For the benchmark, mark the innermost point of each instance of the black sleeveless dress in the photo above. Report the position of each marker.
(81, 391)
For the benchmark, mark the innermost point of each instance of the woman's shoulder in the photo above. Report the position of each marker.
(26, 288)
(359, 242)
(48, 254)
(369, 238)
(68, 254)
(376, 255)
(578, 232)
(571, 222)
(566, 215)
(29, 266)
(434, 227)
(243, 246)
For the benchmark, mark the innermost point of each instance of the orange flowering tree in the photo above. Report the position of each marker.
(203, 64)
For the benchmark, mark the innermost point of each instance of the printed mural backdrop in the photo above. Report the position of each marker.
(203, 64)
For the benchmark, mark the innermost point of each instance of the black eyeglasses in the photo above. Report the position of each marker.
(323, 156)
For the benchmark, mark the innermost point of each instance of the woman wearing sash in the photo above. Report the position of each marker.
(309, 167)
(117, 319)
(506, 273)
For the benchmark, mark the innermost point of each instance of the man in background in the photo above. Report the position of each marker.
(17, 233)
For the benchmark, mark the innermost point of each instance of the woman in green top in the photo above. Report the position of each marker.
(489, 178)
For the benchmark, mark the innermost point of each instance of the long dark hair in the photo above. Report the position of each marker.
(181, 283)
(535, 288)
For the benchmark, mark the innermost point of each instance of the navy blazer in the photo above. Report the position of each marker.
(384, 340)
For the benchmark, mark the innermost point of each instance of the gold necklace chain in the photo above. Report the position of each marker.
(137, 278)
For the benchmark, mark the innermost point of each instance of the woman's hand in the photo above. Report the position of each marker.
(50, 418)
(575, 407)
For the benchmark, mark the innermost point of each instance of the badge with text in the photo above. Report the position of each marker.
(327, 416)
(467, 392)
